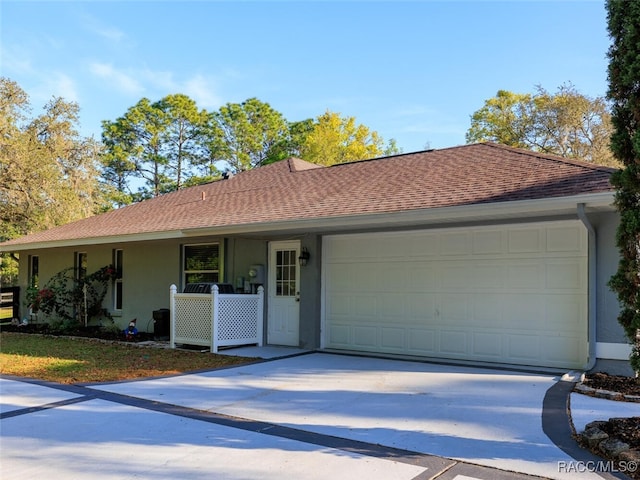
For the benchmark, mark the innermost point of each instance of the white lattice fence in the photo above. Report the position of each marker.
(192, 319)
(216, 320)
(238, 320)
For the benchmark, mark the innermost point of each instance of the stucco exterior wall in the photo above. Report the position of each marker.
(52, 261)
(612, 346)
(310, 293)
(609, 330)
(149, 269)
(240, 255)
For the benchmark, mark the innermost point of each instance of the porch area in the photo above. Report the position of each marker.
(215, 319)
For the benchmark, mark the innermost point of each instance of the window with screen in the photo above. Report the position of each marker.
(201, 263)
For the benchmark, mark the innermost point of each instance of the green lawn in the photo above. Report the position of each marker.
(72, 360)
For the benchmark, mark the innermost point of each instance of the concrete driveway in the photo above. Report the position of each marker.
(312, 416)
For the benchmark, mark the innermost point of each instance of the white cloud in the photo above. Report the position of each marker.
(61, 85)
(15, 60)
(42, 84)
(95, 25)
(156, 84)
(123, 81)
(202, 90)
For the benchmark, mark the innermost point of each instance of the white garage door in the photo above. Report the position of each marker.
(514, 294)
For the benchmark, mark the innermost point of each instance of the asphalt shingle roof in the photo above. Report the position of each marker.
(294, 189)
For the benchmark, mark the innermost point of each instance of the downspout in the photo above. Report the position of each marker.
(592, 288)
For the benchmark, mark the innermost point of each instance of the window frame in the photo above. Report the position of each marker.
(117, 283)
(34, 271)
(185, 272)
(80, 264)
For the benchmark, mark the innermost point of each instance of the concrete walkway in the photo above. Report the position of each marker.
(311, 416)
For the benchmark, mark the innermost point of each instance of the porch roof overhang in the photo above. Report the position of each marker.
(481, 212)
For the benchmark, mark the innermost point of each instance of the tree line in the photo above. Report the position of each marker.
(51, 175)
(172, 144)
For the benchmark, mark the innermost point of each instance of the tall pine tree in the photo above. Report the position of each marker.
(624, 92)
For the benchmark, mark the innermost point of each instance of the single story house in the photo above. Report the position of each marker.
(479, 253)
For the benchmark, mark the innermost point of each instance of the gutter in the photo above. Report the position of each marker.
(592, 302)
(424, 216)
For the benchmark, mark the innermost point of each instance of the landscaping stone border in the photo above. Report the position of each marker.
(597, 441)
(607, 394)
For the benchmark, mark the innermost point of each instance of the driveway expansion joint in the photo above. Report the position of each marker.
(556, 424)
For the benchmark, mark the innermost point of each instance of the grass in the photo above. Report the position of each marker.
(73, 360)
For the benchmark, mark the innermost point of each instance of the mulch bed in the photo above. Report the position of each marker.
(613, 383)
(626, 430)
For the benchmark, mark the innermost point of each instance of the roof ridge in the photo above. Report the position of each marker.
(548, 156)
(299, 165)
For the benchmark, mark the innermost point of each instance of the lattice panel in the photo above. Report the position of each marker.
(237, 318)
(193, 317)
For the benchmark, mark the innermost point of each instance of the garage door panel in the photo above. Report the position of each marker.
(455, 243)
(393, 338)
(365, 336)
(422, 278)
(454, 276)
(565, 275)
(453, 309)
(562, 348)
(422, 341)
(524, 348)
(525, 275)
(566, 314)
(488, 242)
(487, 310)
(565, 239)
(422, 306)
(395, 279)
(488, 344)
(339, 277)
(427, 245)
(510, 294)
(339, 335)
(392, 305)
(488, 276)
(525, 240)
(453, 342)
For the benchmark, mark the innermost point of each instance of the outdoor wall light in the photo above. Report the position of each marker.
(304, 257)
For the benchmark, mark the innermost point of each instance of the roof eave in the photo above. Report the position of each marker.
(460, 213)
(109, 239)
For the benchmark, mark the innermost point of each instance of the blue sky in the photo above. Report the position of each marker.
(414, 71)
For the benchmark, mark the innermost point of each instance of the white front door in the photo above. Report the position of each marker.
(284, 294)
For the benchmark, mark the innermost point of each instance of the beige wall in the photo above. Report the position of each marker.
(149, 269)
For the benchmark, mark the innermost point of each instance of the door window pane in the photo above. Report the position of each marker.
(286, 273)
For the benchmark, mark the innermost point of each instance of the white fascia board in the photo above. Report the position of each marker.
(137, 237)
(503, 210)
(476, 212)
